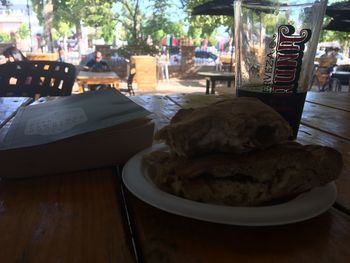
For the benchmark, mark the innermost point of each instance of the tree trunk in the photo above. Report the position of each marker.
(79, 35)
(136, 24)
(48, 14)
(346, 49)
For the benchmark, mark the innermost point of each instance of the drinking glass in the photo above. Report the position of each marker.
(275, 47)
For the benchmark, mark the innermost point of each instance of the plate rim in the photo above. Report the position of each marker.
(145, 190)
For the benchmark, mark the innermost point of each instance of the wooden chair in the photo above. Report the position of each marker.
(129, 82)
(322, 73)
(36, 79)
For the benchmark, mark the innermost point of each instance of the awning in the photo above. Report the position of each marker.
(337, 24)
(339, 10)
(215, 8)
(225, 8)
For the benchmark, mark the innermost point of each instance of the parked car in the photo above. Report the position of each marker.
(206, 55)
(117, 63)
(201, 57)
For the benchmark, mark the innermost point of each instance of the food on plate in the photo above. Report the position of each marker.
(256, 178)
(236, 152)
(232, 126)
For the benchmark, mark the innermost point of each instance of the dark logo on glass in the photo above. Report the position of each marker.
(283, 63)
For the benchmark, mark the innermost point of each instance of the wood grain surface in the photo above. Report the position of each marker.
(309, 135)
(332, 99)
(64, 218)
(165, 237)
(97, 78)
(85, 217)
(327, 119)
(162, 108)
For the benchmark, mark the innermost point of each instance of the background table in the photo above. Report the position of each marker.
(97, 78)
(213, 76)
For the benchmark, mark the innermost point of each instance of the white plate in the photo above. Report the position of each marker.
(304, 206)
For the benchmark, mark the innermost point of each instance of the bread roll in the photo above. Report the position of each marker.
(251, 179)
(235, 125)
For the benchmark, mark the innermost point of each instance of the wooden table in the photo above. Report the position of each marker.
(343, 77)
(89, 216)
(85, 78)
(213, 76)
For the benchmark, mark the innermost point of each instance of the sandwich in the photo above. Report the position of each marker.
(236, 152)
(232, 126)
(256, 178)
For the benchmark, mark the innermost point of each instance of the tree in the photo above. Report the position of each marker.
(131, 17)
(143, 18)
(23, 31)
(205, 26)
(158, 31)
(96, 13)
(4, 37)
(102, 18)
(206, 23)
(155, 26)
(159, 24)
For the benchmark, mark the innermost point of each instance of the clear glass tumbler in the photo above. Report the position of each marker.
(275, 47)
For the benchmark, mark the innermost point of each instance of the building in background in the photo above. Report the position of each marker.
(13, 16)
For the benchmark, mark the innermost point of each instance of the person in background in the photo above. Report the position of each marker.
(13, 54)
(97, 63)
(61, 55)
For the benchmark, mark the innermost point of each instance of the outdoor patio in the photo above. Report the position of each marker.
(177, 85)
(173, 86)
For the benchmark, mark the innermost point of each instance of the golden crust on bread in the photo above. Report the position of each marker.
(234, 125)
(248, 179)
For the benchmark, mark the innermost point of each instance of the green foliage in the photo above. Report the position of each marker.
(137, 27)
(37, 6)
(159, 31)
(142, 48)
(4, 37)
(132, 19)
(206, 23)
(176, 28)
(329, 35)
(23, 31)
(193, 31)
(62, 29)
(108, 33)
(158, 35)
(135, 23)
(99, 15)
(212, 41)
(69, 13)
(158, 24)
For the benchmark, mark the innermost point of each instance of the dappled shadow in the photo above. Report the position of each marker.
(192, 82)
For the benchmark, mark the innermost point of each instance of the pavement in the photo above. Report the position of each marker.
(177, 85)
